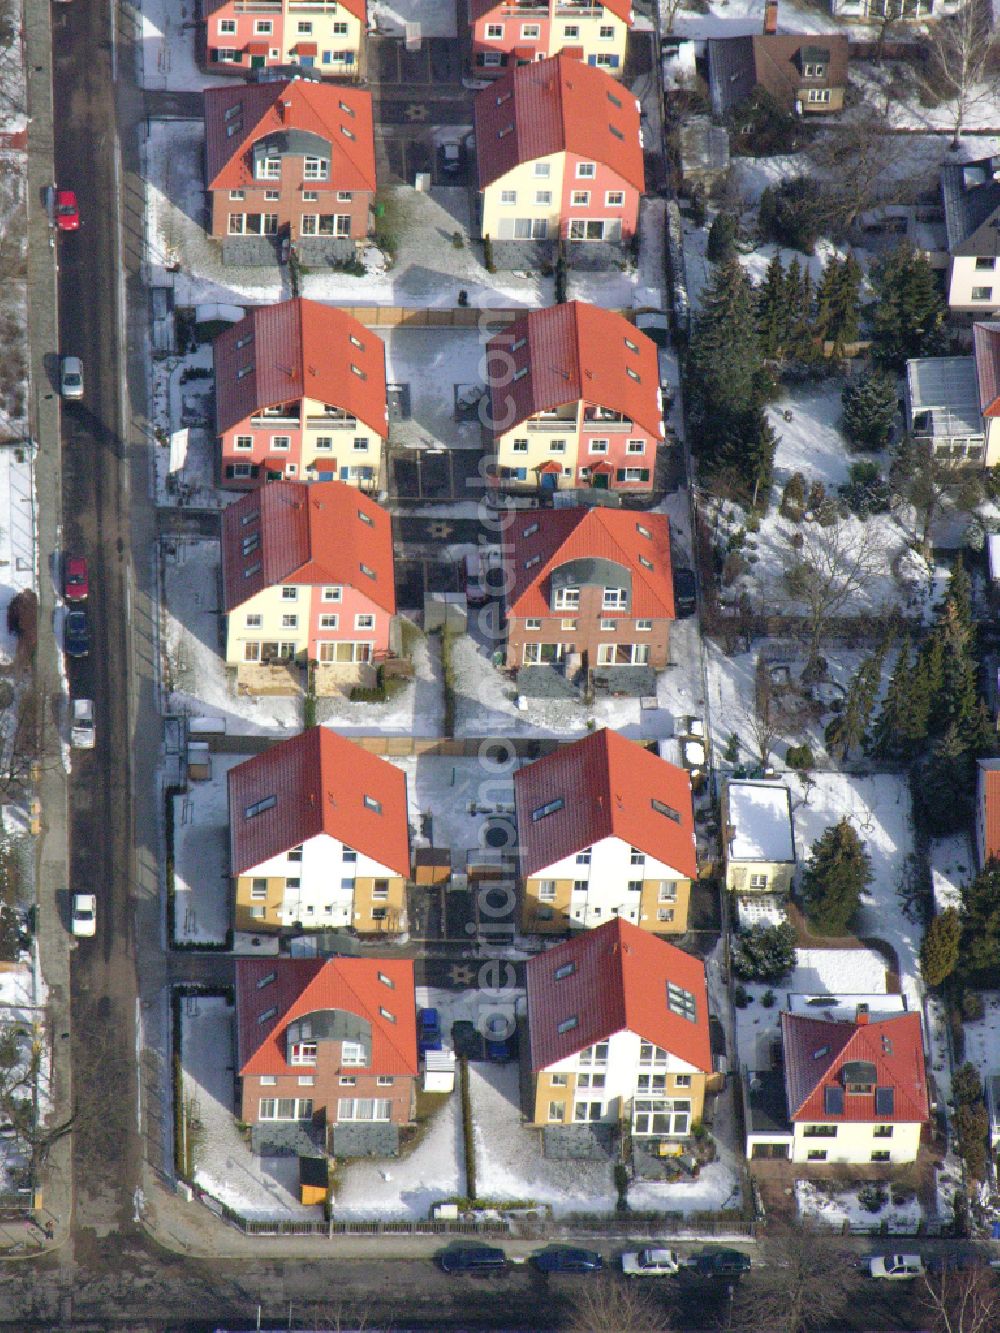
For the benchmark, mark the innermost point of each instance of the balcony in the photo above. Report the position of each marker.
(560, 425)
(339, 422)
(268, 421)
(613, 424)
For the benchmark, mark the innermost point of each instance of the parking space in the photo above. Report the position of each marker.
(437, 61)
(415, 577)
(435, 476)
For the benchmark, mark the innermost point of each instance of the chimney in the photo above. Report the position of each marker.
(770, 17)
(861, 1015)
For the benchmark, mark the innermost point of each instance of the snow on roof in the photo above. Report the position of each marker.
(844, 1007)
(943, 395)
(760, 822)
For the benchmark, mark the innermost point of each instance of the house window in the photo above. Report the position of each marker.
(364, 621)
(324, 444)
(818, 96)
(237, 195)
(519, 446)
(494, 32)
(567, 599)
(361, 444)
(614, 598)
(269, 168)
(303, 1053)
(635, 886)
(586, 171)
(580, 198)
(568, 624)
(329, 622)
(633, 474)
(682, 1080)
(595, 1055)
(508, 196)
(352, 1053)
(615, 198)
(598, 446)
(530, 32)
(758, 881)
(546, 890)
(380, 889)
(332, 594)
(258, 888)
(263, 27)
(635, 447)
(289, 621)
(272, 196)
(814, 71)
(227, 27)
(532, 623)
(583, 1111)
(285, 1108)
(881, 1155)
(984, 263)
(648, 1083)
(268, 1080)
(543, 197)
(596, 1081)
(982, 293)
(644, 626)
(289, 593)
(816, 1155)
(571, 31)
(310, 196)
(364, 1108)
(665, 914)
(254, 620)
(668, 891)
(606, 32)
(651, 1055)
(315, 169)
(557, 1112)
(280, 443)
(304, 29)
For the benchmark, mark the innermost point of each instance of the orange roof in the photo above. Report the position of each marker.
(988, 822)
(620, 981)
(323, 532)
(550, 538)
(272, 992)
(555, 106)
(607, 786)
(319, 782)
(298, 116)
(887, 1054)
(575, 352)
(299, 349)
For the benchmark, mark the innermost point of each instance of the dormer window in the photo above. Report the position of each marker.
(567, 599)
(316, 169)
(269, 169)
(814, 71)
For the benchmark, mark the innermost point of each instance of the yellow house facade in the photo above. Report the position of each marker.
(856, 1144)
(532, 191)
(558, 1093)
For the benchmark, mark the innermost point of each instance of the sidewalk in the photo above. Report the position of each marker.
(44, 414)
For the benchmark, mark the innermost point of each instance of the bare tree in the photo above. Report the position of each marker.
(762, 720)
(926, 480)
(961, 55)
(609, 1305)
(669, 9)
(825, 574)
(804, 1282)
(961, 1302)
(857, 163)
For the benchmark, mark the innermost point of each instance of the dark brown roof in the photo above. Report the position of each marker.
(778, 61)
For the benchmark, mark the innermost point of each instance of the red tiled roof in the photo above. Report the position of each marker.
(572, 352)
(553, 106)
(262, 109)
(989, 809)
(304, 986)
(620, 982)
(479, 9)
(556, 536)
(607, 785)
(311, 533)
(299, 349)
(320, 780)
(816, 1051)
(986, 343)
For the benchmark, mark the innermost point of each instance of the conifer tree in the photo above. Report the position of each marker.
(849, 728)
(772, 311)
(838, 302)
(942, 784)
(939, 950)
(721, 247)
(901, 724)
(870, 404)
(908, 310)
(837, 874)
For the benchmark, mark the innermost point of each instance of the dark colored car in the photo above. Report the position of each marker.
(568, 1261)
(428, 1030)
(720, 1263)
(76, 579)
(685, 593)
(76, 634)
(480, 1260)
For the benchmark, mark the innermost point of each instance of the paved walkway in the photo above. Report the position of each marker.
(44, 414)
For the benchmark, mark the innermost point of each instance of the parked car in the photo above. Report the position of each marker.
(685, 593)
(67, 211)
(568, 1261)
(82, 733)
(76, 634)
(83, 921)
(76, 579)
(452, 158)
(650, 1263)
(71, 377)
(896, 1267)
(720, 1263)
(428, 1030)
(481, 1260)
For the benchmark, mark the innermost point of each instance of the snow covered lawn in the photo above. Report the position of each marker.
(982, 1036)
(201, 857)
(841, 1207)
(953, 865)
(256, 1187)
(408, 1186)
(176, 405)
(415, 709)
(432, 18)
(195, 676)
(165, 46)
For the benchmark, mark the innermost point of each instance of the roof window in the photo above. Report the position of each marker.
(616, 132)
(251, 570)
(266, 981)
(549, 808)
(243, 372)
(371, 803)
(644, 532)
(251, 543)
(530, 530)
(681, 1002)
(356, 341)
(615, 101)
(532, 560)
(268, 1014)
(507, 129)
(662, 808)
(646, 563)
(368, 571)
(356, 370)
(386, 981)
(258, 807)
(389, 1017)
(347, 110)
(633, 374)
(568, 1024)
(348, 134)
(632, 347)
(566, 970)
(252, 517)
(520, 374)
(366, 518)
(518, 343)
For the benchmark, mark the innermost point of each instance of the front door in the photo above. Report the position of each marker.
(600, 481)
(549, 480)
(257, 62)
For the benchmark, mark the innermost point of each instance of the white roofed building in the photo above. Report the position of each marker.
(758, 837)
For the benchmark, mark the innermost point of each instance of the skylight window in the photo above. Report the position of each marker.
(520, 374)
(568, 1024)
(252, 517)
(681, 1002)
(356, 370)
(615, 101)
(532, 560)
(258, 807)
(366, 518)
(368, 571)
(549, 808)
(616, 132)
(518, 343)
(530, 530)
(662, 808)
(633, 374)
(644, 532)
(251, 570)
(566, 970)
(266, 981)
(268, 1014)
(646, 564)
(372, 804)
(389, 1017)
(386, 981)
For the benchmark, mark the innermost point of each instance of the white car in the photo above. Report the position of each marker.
(84, 919)
(82, 734)
(71, 377)
(896, 1267)
(650, 1263)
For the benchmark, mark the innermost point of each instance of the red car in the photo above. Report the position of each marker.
(76, 583)
(67, 211)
